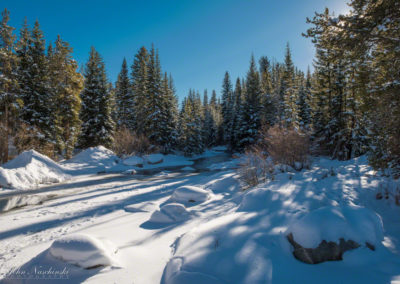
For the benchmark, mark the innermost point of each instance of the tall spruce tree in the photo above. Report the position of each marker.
(65, 84)
(251, 107)
(227, 108)
(139, 79)
(97, 123)
(124, 99)
(8, 83)
(35, 90)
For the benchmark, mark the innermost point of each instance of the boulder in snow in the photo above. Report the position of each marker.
(134, 161)
(30, 169)
(190, 195)
(84, 251)
(170, 213)
(327, 233)
(154, 159)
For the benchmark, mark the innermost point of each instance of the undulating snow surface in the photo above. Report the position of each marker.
(30, 169)
(227, 236)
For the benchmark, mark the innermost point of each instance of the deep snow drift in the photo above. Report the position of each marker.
(30, 169)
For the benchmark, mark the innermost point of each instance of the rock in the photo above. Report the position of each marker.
(326, 251)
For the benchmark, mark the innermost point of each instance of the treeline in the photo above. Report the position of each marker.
(348, 106)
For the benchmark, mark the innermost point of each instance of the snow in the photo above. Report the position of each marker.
(154, 158)
(30, 169)
(83, 250)
(190, 194)
(169, 213)
(188, 169)
(228, 236)
(334, 222)
(92, 160)
(133, 161)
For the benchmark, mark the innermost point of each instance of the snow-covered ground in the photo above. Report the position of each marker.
(149, 230)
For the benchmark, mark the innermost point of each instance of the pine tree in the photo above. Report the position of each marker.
(140, 90)
(97, 123)
(65, 84)
(303, 104)
(227, 108)
(251, 107)
(9, 103)
(288, 90)
(35, 91)
(124, 99)
(191, 125)
(269, 111)
(238, 117)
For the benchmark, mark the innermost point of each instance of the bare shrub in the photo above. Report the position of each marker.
(127, 143)
(287, 145)
(28, 137)
(256, 168)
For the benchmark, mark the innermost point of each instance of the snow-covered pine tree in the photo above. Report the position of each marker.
(251, 107)
(140, 77)
(156, 100)
(288, 90)
(269, 111)
(124, 99)
(35, 89)
(238, 117)
(191, 125)
(303, 103)
(65, 84)
(96, 116)
(169, 115)
(8, 82)
(227, 108)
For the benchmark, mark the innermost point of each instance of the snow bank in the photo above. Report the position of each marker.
(94, 155)
(190, 194)
(332, 223)
(134, 161)
(92, 160)
(30, 169)
(170, 213)
(83, 250)
(153, 159)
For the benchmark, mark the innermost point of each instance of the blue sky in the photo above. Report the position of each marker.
(198, 40)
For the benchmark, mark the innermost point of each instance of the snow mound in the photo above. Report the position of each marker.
(170, 213)
(30, 169)
(153, 159)
(83, 250)
(187, 169)
(190, 194)
(133, 161)
(332, 223)
(92, 155)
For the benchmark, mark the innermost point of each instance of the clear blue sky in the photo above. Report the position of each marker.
(198, 40)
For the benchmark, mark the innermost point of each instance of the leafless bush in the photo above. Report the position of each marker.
(127, 143)
(28, 137)
(287, 145)
(256, 168)
(390, 193)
